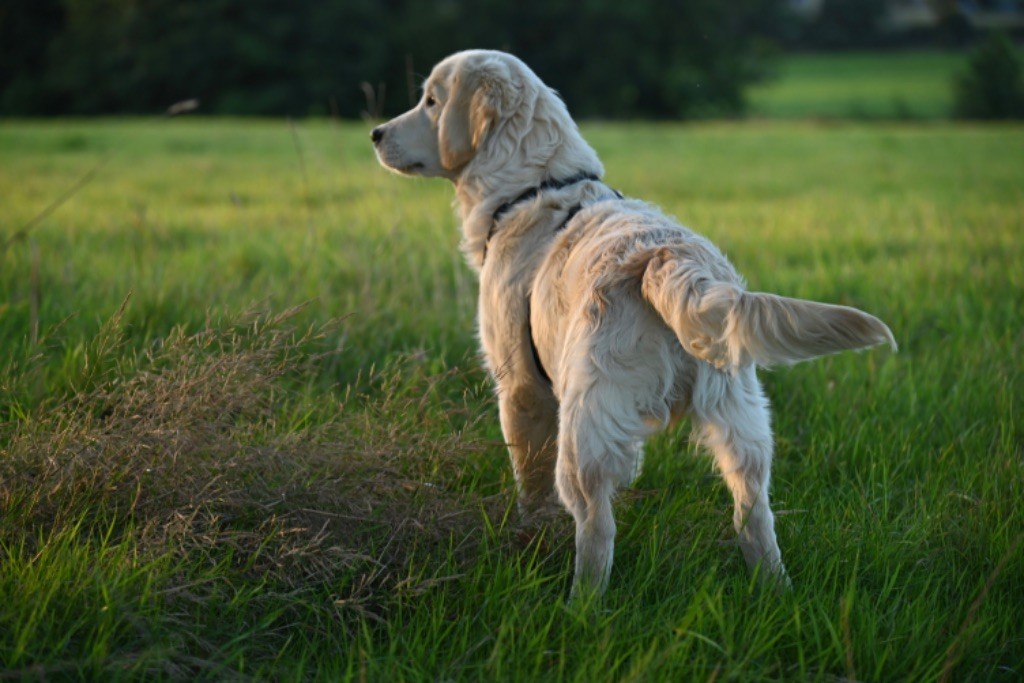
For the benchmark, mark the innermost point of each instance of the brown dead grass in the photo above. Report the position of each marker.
(187, 448)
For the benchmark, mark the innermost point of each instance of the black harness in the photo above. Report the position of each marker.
(570, 214)
(533, 192)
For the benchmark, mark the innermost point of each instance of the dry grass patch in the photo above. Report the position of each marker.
(203, 446)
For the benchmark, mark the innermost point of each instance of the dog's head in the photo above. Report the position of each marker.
(467, 97)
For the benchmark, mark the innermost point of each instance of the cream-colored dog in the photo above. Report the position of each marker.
(601, 319)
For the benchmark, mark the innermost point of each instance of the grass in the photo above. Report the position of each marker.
(911, 85)
(244, 432)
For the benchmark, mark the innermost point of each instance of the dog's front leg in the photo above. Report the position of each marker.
(529, 421)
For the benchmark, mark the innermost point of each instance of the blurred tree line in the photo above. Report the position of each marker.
(608, 58)
(345, 57)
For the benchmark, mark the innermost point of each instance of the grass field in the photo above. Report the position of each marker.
(910, 85)
(199, 480)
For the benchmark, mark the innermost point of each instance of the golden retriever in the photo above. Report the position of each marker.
(601, 319)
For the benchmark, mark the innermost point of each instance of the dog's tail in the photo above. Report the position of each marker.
(728, 327)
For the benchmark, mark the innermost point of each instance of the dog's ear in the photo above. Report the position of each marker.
(478, 93)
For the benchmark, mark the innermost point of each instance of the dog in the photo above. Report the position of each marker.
(602, 321)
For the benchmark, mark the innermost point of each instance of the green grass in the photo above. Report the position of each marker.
(898, 85)
(202, 483)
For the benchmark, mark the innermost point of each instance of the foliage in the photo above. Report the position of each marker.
(334, 504)
(27, 27)
(607, 58)
(845, 24)
(992, 86)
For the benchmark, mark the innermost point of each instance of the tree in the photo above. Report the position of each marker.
(845, 24)
(27, 27)
(671, 59)
(992, 87)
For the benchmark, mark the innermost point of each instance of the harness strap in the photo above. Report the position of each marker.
(570, 214)
(533, 345)
(530, 194)
(534, 191)
(529, 301)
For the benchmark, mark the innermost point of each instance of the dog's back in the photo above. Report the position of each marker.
(627, 246)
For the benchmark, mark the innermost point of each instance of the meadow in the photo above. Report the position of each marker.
(244, 432)
(911, 85)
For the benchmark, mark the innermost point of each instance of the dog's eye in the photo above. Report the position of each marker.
(430, 101)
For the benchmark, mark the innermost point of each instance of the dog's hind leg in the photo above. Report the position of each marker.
(735, 424)
(587, 493)
(590, 503)
(598, 451)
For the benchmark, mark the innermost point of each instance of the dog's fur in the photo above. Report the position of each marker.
(636, 319)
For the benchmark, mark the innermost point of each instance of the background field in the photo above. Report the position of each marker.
(860, 85)
(205, 485)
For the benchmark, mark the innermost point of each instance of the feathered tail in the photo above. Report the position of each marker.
(720, 323)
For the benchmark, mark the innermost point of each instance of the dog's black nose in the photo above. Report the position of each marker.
(377, 134)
